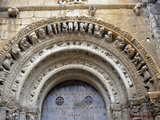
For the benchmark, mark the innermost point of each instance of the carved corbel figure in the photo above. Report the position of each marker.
(76, 27)
(70, 27)
(50, 30)
(2, 76)
(140, 65)
(24, 44)
(120, 43)
(130, 51)
(33, 38)
(8, 61)
(149, 85)
(55, 29)
(13, 12)
(98, 31)
(144, 72)
(90, 28)
(137, 8)
(59, 28)
(83, 27)
(42, 33)
(109, 37)
(16, 52)
(101, 31)
(64, 27)
(92, 10)
(137, 59)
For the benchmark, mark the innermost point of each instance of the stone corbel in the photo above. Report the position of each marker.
(137, 8)
(13, 12)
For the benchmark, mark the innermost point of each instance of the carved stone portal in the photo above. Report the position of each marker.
(90, 46)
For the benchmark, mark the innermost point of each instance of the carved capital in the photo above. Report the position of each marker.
(116, 107)
(137, 101)
(154, 96)
(154, 102)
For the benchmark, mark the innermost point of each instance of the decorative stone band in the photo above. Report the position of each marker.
(70, 7)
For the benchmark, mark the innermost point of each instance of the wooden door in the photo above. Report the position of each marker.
(73, 100)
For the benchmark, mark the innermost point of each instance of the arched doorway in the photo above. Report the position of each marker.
(51, 51)
(74, 100)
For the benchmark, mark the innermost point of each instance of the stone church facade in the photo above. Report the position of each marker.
(79, 59)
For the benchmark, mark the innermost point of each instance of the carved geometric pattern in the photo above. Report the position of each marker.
(59, 100)
(88, 100)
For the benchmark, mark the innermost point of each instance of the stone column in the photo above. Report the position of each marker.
(126, 115)
(2, 113)
(145, 113)
(22, 115)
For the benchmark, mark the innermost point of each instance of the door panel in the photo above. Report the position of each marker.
(73, 100)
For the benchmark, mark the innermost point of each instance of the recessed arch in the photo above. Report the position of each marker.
(41, 40)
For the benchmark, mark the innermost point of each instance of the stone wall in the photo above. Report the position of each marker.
(117, 12)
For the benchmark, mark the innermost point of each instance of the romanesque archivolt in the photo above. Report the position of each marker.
(59, 28)
(47, 30)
